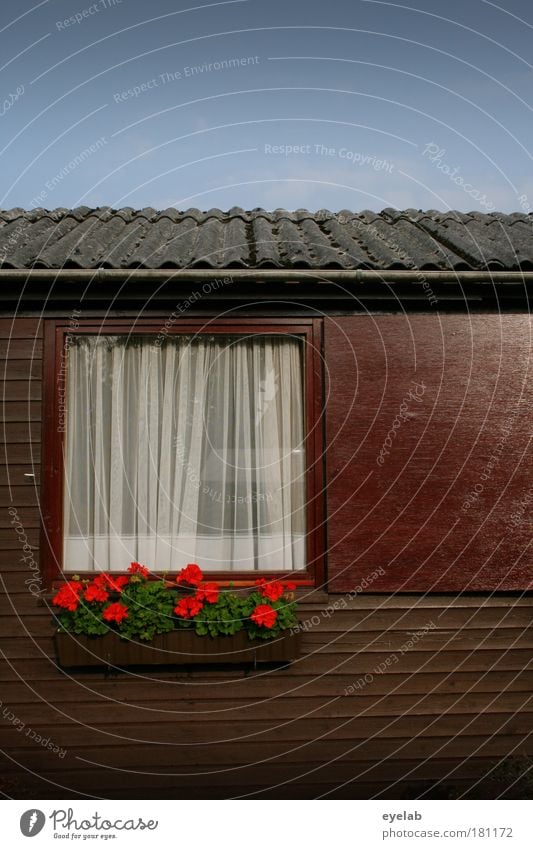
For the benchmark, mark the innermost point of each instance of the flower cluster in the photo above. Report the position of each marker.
(115, 612)
(137, 607)
(74, 593)
(68, 596)
(190, 606)
(264, 615)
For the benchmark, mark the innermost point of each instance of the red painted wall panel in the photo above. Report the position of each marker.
(428, 474)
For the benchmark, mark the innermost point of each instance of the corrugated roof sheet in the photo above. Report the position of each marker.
(147, 238)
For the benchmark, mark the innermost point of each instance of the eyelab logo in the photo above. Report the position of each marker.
(32, 822)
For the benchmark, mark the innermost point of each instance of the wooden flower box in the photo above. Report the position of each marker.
(175, 648)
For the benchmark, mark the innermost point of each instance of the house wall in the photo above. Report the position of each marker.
(391, 687)
(428, 437)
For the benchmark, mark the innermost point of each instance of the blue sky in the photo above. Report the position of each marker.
(338, 105)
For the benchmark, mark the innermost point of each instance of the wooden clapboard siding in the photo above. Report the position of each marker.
(405, 510)
(14, 329)
(17, 411)
(23, 390)
(20, 431)
(24, 475)
(27, 368)
(456, 700)
(9, 542)
(16, 348)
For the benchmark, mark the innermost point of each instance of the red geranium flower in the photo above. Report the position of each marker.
(69, 595)
(137, 569)
(290, 586)
(271, 590)
(116, 583)
(96, 590)
(188, 607)
(191, 574)
(264, 615)
(208, 592)
(115, 612)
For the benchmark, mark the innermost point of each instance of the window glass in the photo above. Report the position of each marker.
(187, 451)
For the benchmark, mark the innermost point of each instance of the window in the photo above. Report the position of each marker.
(195, 445)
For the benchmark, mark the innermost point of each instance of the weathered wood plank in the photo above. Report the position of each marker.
(26, 369)
(225, 713)
(182, 734)
(21, 496)
(25, 431)
(449, 618)
(53, 685)
(19, 475)
(183, 759)
(328, 662)
(21, 411)
(22, 390)
(9, 541)
(29, 516)
(285, 781)
(26, 453)
(21, 328)
(21, 348)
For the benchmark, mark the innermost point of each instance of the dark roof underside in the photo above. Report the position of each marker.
(128, 238)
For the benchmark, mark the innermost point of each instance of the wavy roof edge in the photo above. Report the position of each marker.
(175, 214)
(126, 238)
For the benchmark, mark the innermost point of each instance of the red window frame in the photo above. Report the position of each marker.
(55, 333)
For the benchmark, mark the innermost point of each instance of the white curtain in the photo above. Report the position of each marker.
(188, 451)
